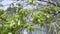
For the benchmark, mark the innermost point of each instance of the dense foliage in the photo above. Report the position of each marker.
(10, 24)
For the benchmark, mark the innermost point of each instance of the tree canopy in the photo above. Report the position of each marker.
(13, 19)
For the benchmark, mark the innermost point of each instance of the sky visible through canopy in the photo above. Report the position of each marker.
(5, 3)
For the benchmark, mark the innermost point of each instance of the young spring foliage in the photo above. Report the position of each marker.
(11, 24)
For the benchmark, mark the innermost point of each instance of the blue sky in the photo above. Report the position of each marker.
(5, 3)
